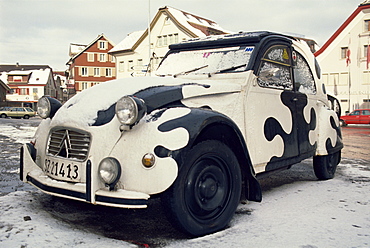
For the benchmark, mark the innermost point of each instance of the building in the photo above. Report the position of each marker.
(168, 26)
(4, 89)
(345, 60)
(90, 64)
(27, 84)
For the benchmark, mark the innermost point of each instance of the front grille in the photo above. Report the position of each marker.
(67, 143)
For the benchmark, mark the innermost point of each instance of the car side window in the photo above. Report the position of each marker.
(357, 112)
(275, 70)
(365, 112)
(303, 78)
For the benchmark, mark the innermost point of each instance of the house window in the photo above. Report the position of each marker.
(165, 40)
(367, 26)
(96, 72)
(90, 57)
(139, 62)
(84, 86)
(23, 91)
(102, 57)
(170, 39)
(130, 65)
(365, 50)
(176, 38)
(84, 71)
(121, 66)
(167, 21)
(108, 72)
(34, 90)
(343, 52)
(102, 45)
(159, 42)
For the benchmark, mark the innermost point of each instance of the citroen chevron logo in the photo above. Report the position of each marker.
(65, 145)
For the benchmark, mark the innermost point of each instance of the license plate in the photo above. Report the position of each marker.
(63, 170)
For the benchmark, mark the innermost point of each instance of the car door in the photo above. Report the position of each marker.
(354, 117)
(271, 125)
(365, 116)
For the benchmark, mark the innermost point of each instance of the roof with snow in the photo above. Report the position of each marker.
(18, 67)
(194, 25)
(38, 76)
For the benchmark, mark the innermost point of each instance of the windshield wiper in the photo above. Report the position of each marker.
(230, 68)
(190, 71)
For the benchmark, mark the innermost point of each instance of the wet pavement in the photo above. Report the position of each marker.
(356, 139)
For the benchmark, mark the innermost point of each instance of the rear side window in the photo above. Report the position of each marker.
(366, 112)
(275, 68)
(303, 78)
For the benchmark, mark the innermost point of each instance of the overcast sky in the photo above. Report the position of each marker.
(40, 31)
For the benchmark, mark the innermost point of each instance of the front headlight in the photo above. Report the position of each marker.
(130, 110)
(47, 107)
(109, 171)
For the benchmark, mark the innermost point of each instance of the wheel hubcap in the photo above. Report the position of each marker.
(207, 189)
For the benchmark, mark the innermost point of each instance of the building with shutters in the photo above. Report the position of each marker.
(345, 60)
(90, 64)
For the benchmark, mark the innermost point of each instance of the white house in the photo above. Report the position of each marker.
(28, 83)
(345, 60)
(133, 55)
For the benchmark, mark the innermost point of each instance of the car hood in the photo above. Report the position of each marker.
(88, 107)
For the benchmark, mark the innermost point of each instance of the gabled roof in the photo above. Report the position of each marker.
(364, 5)
(128, 42)
(195, 26)
(4, 85)
(88, 46)
(75, 49)
(18, 67)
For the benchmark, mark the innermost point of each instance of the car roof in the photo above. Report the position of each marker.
(228, 40)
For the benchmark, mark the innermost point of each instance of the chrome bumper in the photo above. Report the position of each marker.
(31, 173)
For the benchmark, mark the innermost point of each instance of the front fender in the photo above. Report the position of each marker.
(204, 124)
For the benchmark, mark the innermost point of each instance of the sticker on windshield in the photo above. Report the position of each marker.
(249, 49)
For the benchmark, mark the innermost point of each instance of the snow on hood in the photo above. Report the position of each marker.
(82, 109)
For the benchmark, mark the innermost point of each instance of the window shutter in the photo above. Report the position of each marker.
(91, 71)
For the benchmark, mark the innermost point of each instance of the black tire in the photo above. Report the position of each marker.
(3, 116)
(325, 166)
(206, 193)
(342, 123)
(26, 117)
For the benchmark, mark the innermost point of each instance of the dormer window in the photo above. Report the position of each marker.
(367, 26)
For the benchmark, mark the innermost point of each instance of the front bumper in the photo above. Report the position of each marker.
(31, 173)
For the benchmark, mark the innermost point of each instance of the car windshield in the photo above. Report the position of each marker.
(206, 61)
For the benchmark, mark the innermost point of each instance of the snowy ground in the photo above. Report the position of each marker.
(296, 211)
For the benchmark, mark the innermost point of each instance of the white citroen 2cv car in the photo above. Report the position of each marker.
(220, 112)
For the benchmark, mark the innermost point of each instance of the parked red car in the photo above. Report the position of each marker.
(358, 116)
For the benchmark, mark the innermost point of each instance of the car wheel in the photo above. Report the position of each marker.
(342, 123)
(325, 166)
(26, 117)
(3, 115)
(207, 191)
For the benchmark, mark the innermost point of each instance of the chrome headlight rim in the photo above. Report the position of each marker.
(47, 107)
(130, 110)
(109, 171)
